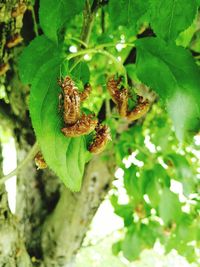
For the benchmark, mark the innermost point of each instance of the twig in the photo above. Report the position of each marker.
(77, 40)
(119, 65)
(35, 26)
(28, 157)
(89, 16)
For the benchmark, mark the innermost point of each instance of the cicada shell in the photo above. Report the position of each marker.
(85, 125)
(85, 94)
(140, 110)
(101, 139)
(71, 101)
(119, 96)
(39, 161)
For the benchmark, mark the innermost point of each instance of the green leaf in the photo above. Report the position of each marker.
(198, 2)
(186, 36)
(65, 156)
(181, 165)
(152, 187)
(127, 13)
(173, 74)
(82, 72)
(116, 248)
(149, 233)
(169, 207)
(131, 246)
(131, 71)
(34, 56)
(55, 14)
(183, 172)
(124, 211)
(170, 17)
(132, 184)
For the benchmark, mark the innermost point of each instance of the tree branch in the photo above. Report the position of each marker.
(22, 164)
(88, 19)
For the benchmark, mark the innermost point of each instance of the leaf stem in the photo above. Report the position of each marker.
(114, 44)
(35, 26)
(31, 154)
(77, 40)
(119, 65)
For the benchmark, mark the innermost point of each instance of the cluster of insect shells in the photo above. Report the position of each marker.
(78, 124)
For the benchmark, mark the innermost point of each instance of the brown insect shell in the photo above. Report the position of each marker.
(100, 141)
(39, 161)
(84, 126)
(71, 101)
(4, 68)
(140, 110)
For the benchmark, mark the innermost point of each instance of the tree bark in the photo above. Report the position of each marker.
(66, 228)
(12, 249)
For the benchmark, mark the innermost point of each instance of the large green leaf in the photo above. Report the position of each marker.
(170, 17)
(131, 246)
(55, 14)
(169, 207)
(127, 13)
(34, 56)
(131, 183)
(65, 156)
(173, 74)
(40, 65)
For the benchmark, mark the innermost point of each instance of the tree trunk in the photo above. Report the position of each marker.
(65, 229)
(54, 235)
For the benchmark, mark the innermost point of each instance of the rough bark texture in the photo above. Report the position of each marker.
(12, 249)
(65, 229)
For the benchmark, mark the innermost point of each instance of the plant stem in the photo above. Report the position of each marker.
(31, 154)
(88, 19)
(114, 44)
(119, 65)
(77, 40)
(35, 26)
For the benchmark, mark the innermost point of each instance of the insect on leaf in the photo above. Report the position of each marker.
(65, 156)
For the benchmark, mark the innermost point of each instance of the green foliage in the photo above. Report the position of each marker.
(127, 12)
(66, 156)
(169, 207)
(55, 14)
(34, 56)
(153, 209)
(170, 17)
(173, 74)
